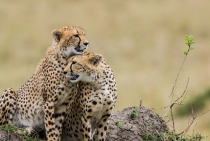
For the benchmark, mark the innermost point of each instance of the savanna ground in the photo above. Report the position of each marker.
(141, 40)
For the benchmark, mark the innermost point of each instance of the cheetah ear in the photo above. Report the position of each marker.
(95, 60)
(57, 35)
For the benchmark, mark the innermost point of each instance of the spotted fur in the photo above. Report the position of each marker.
(41, 102)
(90, 108)
(7, 106)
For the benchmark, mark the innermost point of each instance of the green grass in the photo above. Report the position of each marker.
(173, 137)
(141, 40)
(120, 123)
(19, 132)
(134, 113)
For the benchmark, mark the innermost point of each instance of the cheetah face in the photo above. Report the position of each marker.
(71, 40)
(82, 67)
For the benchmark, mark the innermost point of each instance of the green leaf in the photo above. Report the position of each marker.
(189, 40)
(185, 51)
(191, 48)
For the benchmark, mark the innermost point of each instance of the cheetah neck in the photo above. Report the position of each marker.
(99, 79)
(52, 50)
(96, 84)
(55, 52)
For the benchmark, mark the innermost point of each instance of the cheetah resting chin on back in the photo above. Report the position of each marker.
(90, 108)
(41, 102)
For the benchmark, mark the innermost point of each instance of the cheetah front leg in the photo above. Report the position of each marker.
(54, 118)
(7, 106)
(102, 127)
(50, 121)
(87, 133)
(59, 118)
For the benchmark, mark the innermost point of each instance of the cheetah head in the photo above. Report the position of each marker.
(71, 40)
(83, 67)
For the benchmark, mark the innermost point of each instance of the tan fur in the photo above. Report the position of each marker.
(41, 102)
(7, 106)
(91, 106)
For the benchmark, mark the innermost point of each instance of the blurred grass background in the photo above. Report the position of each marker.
(142, 40)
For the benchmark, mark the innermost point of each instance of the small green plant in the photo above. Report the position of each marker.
(28, 138)
(108, 133)
(95, 137)
(172, 136)
(134, 112)
(120, 123)
(198, 137)
(189, 40)
(178, 100)
(150, 137)
(8, 127)
(17, 131)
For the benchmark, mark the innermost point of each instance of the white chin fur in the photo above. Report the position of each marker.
(83, 48)
(68, 76)
(86, 79)
(74, 81)
(71, 51)
(76, 52)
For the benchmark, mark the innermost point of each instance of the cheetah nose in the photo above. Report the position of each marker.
(86, 43)
(65, 72)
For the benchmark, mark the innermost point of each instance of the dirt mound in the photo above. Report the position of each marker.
(135, 124)
(8, 136)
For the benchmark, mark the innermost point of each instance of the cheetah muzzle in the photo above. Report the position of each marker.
(79, 50)
(74, 77)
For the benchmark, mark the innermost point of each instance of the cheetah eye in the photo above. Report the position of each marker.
(76, 35)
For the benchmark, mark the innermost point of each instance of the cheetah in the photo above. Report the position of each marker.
(7, 106)
(41, 102)
(90, 108)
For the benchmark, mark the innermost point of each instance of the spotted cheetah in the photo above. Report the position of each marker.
(89, 110)
(7, 106)
(41, 102)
